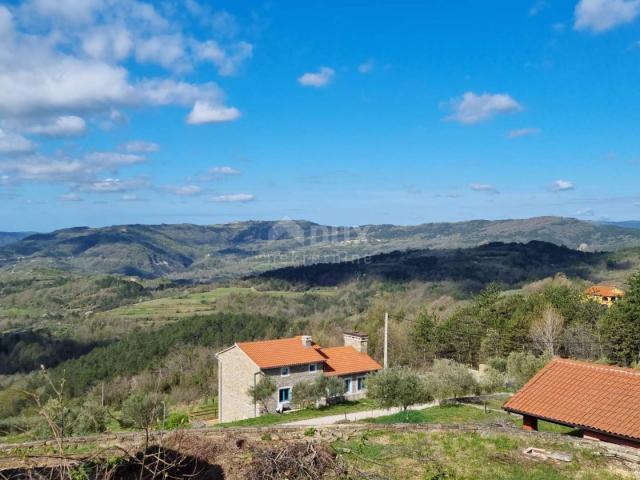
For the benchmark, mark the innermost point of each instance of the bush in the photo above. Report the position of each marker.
(491, 380)
(307, 394)
(176, 420)
(92, 418)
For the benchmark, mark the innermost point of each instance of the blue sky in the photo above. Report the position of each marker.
(405, 112)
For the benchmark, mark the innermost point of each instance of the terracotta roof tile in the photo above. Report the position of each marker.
(604, 291)
(281, 353)
(583, 394)
(346, 360)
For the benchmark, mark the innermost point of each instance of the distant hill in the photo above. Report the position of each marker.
(197, 252)
(10, 237)
(511, 264)
(627, 224)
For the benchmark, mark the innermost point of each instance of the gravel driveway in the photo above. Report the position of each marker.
(354, 416)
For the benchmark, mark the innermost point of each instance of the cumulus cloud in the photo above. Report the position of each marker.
(206, 112)
(63, 126)
(139, 146)
(228, 60)
(473, 108)
(321, 78)
(561, 186)
(224, 171)
(234, 198)
(14, 143)
(602, 15)
(484, 188)
(77, 60)
(523, 132)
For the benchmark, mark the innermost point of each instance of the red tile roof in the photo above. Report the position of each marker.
(281, 353)
(604, 291)
(585, 395)
(347, 360)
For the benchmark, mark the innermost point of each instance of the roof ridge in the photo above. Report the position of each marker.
(596, 366)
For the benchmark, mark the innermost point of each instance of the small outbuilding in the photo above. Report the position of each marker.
(602, 401)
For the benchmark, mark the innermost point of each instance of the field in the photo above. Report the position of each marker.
(469, 455)
(189, 304)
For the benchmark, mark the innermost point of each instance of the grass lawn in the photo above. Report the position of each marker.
(441, 414)
(276, 418)
(468, 455)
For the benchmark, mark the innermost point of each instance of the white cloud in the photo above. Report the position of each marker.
(6, 22)
(484, 188)
(523, 132)
(561, 186)
(69, 58)
(64, 126)
(139, 146)
(228, 60)
(224, 171)
(366, 67)
(71, 11)
(473, 108)
(234, 198)
(586, 212)
(603, 15)
(206, 112)
(128, 197)
(109, 42)
(165, 50)
(14, 143)
(113, 160)
(113, 185)
(321, 78)
(70, 197)
(184, 190)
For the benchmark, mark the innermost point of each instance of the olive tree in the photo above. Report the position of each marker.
(453, 379)
(262, 392)
(396, 387)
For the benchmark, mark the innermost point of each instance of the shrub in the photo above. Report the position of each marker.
(396, 387)
(176, 420)
(521, 366)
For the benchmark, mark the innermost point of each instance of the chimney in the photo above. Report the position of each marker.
(356, 340)
(306, 340)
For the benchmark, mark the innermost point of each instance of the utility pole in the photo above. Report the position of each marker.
(386, 338)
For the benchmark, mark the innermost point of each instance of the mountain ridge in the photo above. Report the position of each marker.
(232, 250)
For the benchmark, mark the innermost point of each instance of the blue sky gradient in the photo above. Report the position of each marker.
(410, 111)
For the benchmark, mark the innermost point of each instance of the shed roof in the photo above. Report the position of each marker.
(585, 395)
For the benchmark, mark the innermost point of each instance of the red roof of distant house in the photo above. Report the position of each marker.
(281, 353)
(605, 291)
(585, 395)
(346, 360)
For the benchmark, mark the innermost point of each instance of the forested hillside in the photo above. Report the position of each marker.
(227, 251)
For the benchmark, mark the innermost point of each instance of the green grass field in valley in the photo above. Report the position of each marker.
(186, 305)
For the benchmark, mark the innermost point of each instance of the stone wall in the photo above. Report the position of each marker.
(297, 374)
(236, 374)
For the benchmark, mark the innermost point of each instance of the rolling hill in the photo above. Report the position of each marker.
(10, 237)
(511, 264)
(214, 252)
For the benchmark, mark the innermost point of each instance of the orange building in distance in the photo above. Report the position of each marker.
(604, 294)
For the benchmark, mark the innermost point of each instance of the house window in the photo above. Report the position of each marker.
(313, 368)
(284, 372)
(362, 383)
(284, 395)
(347, 385)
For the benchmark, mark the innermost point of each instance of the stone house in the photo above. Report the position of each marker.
(288, 361)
